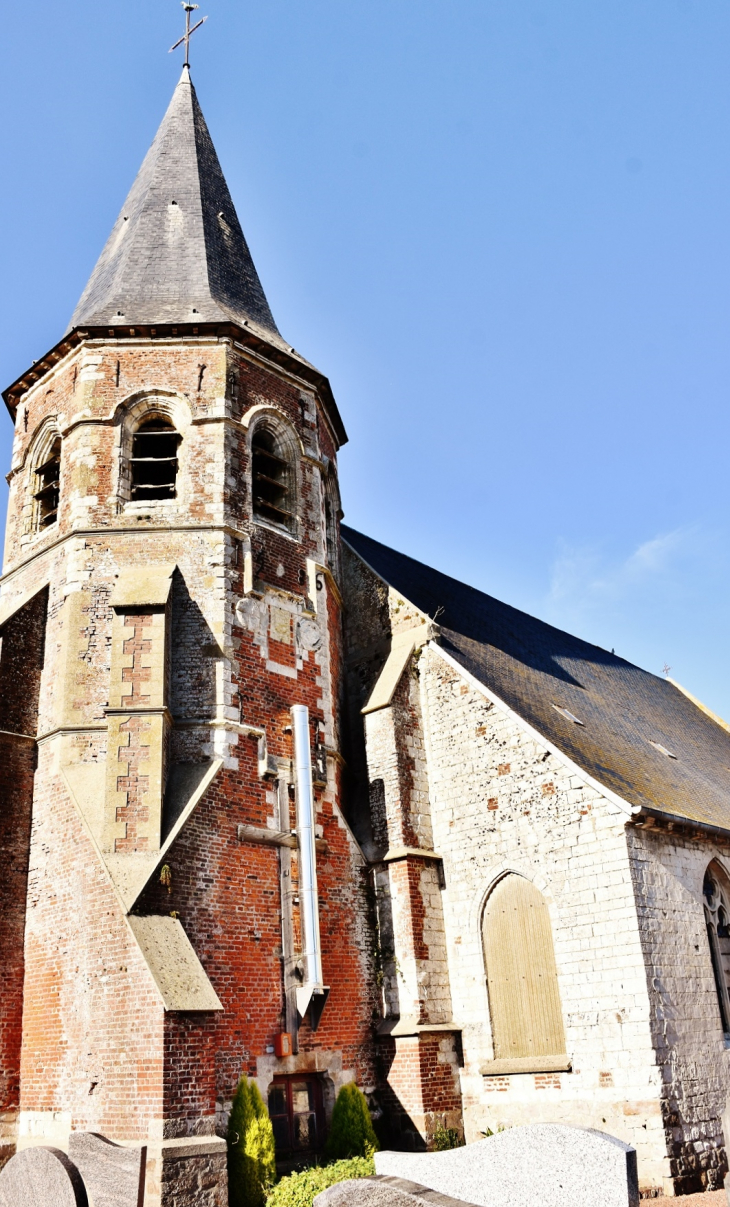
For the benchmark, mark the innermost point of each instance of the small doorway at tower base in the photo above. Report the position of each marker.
(296, 1109)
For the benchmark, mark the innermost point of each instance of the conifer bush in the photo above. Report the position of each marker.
(251, 1154)
(301, 1189)
(351, 1131)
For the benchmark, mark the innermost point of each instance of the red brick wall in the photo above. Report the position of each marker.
(420, 1082)
(228, 899)
(97, 1042)
(17, 760)
(22, 643)
(92, 1018)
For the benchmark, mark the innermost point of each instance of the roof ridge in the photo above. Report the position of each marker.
(478, 592)
(638, 734)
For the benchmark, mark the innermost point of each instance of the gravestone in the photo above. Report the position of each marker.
(547, 1163)
(96, 1169)
(381, 1191)
(112, 1174)
(41, 1177)
(362, 1192)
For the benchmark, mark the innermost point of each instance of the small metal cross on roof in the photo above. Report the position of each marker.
(189, 8)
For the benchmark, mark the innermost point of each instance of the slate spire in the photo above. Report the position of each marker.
(177, 253)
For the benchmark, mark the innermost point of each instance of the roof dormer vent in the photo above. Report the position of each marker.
(564, 712)
(662, 749)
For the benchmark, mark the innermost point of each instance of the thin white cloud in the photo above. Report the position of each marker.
(586, 580)
(662, 603)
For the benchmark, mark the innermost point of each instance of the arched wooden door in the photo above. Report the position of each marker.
(522, 979)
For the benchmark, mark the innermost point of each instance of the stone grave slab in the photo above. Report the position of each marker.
(362, 1192)
(113, 1174)
(41, 1177)
(547, 1163)
(382, 1191)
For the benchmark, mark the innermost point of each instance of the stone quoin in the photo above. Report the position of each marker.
(280, 801)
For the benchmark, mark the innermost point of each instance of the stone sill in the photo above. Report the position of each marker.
(404, 1027)
(527, 1064)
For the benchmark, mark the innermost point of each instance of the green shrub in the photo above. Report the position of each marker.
(251, 1159)
(301, 1189)
(351, 1131)
(446, 1137)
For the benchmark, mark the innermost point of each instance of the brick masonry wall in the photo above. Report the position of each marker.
(421, 1090)
(418, 1069)
(22, 649)
(238, 660)
(18, 763)
(92, 1017)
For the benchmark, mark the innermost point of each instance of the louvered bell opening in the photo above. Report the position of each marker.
(154, 461)
(48, 488)
(272, 481)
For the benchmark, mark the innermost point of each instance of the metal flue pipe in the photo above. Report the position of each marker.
(308, 898)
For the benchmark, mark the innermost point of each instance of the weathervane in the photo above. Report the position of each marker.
(189, 8)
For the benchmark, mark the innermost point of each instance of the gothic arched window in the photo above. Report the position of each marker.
(716, 892)
(522, 979)
(47, 487)
(154, 461)
(273, 478)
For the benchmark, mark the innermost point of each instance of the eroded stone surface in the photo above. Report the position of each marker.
(550, 1164)
(41, 1177)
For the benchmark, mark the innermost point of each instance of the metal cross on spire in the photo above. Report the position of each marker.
(189, 8)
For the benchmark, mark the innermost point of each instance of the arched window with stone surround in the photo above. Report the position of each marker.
(45, 480)
(716, 893)
(273, 475)
(154, 461)
(522, 979)
(48, 487)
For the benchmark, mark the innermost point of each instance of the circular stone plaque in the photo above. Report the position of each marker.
(41, 1177)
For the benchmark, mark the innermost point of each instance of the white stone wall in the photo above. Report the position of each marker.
(643, 1029)
(669, 870)
(500, 802)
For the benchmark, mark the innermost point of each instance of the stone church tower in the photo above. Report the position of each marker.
(174, 853)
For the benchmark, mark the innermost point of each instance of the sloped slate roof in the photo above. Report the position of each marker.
(177, 253)
(533, 667)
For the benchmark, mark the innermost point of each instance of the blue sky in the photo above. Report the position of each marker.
(500, 227)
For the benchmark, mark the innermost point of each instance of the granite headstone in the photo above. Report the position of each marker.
(41, 1177)
(547, 1163)
(112, 1174)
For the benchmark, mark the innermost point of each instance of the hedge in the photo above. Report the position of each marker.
(301, 1189)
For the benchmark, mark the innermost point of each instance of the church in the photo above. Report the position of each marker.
(280, 801)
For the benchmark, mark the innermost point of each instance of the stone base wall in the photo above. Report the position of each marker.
(420, 1087)
(190, 1172)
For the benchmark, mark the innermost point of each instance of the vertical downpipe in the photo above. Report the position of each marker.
(307, 850)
